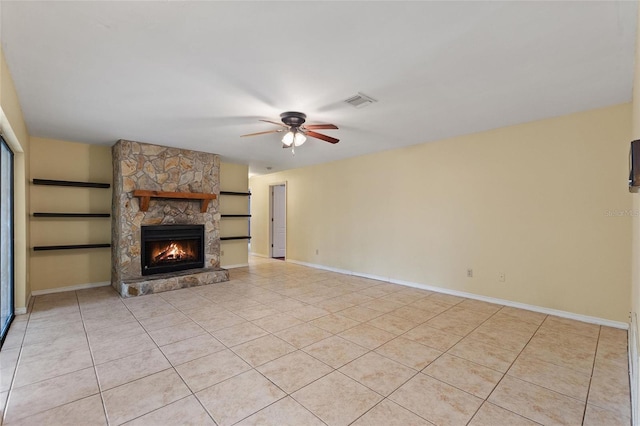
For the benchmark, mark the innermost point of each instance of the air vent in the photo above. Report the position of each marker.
(360, 100)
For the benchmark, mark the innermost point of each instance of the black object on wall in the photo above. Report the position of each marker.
(634, 166)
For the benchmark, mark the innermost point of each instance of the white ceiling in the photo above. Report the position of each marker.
(199, 74)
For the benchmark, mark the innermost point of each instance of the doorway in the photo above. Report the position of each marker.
(6, 239)
(278, 229)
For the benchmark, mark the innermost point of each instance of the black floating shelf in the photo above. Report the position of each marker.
(246, 194)
(71, 183)
(235, 215)
(234, 238)
(71, 215)
(71, 247)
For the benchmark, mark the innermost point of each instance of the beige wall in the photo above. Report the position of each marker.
(15, 132)
(234, 177)
(635, 253)
(531, 201)
(60, 160)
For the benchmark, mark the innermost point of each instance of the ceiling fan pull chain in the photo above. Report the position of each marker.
(293, 149)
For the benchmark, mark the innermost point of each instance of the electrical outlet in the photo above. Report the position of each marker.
(470, 273)
(502, 277)
(317, 251)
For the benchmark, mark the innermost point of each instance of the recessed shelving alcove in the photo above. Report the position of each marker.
(68, 215)
(236, 216)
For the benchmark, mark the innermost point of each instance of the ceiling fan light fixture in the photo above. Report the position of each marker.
(287, 139)
(299, 139)
(294, 137)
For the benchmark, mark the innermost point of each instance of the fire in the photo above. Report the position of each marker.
(172, 252)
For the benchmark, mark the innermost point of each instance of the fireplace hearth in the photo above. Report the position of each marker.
(171, 248)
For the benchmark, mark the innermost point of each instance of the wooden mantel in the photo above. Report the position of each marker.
(146, 196)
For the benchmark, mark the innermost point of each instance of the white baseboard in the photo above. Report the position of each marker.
(371, 276)
(323, 267)
(259, 255)
(70, 288)
(23, 311)
(239, 265)
(534, 308)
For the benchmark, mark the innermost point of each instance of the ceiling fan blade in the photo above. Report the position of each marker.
(320, 136)
(275, 122)
(320, 126)
(263, 133)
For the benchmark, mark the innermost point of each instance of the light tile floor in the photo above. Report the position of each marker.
(283, 344)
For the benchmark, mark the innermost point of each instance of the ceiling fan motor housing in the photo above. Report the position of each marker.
(293, 119)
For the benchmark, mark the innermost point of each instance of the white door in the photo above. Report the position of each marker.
(278, 221)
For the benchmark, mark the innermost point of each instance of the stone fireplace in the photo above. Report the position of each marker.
(164, 243)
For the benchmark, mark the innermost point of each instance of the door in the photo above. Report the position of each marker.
(6, 238)
(278, 220)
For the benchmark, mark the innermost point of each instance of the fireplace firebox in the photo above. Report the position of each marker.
(171, 248)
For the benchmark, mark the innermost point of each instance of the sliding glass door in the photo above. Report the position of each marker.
(6, 238)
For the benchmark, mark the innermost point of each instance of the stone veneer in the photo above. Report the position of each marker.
(144, 166)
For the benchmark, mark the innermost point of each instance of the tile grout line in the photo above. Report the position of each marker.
(193, 393)
(54, 377)
(173, 402)
(386, 397)
(297, 349)
(171, 367)
(15, 370)
(286, 394)
(248, 286)
(507, 372)
(93, 361)
(503, 373)
(369, 350)
(593, 366)
(602, 407)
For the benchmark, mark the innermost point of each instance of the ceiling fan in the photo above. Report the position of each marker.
(296, 131)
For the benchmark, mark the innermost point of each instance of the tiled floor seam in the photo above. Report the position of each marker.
(604, 408)
(11, 389)
(384, 396)
(275, 402)
(591, 380)
(354, 289)
(593, 366)
(58, 406)
(93, 361)
(462, 337)
(287, 393)
(173, 367)
(15, 370)
(507, 373)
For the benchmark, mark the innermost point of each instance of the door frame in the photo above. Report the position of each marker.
(284, 183)
(12, 277)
